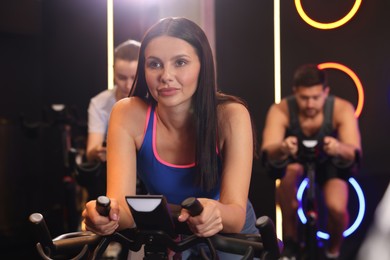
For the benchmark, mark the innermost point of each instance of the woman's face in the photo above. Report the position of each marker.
(171, 70)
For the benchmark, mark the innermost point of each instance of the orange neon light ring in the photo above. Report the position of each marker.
(358, 84)
(325, 26)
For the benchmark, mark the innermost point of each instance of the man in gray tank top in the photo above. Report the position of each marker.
(312, 113)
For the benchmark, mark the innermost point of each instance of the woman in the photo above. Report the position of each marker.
(181, 136)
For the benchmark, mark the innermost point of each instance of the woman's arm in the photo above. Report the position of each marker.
(125, 134)
(237, 152)
(236, 146)
(125, 128)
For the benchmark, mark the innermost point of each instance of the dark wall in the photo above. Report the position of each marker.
(20, 52)
(55, 52)
(244, 51)
(74, 44)
(52, 52)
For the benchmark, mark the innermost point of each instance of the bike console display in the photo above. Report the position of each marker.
(310, 150)
(151, 212)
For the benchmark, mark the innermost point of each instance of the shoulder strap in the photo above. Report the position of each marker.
(294, 127)
(149, 118)
(327, 126)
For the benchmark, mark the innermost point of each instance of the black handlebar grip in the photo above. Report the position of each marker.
(103, 206)
(42, 231)
(193, 206)
(268, 234)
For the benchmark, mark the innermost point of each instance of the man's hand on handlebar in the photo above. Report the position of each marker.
(290, 146)
(331, 146)
(101, 153)
(344, 155)
(208, 223)
(101, 225)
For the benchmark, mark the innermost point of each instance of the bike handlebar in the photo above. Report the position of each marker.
(103, 206)
(310, 152)
(193, 206)
(77, 245)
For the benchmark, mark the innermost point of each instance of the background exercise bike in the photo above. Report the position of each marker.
(310, 152)
(310, 155)
(159, 232)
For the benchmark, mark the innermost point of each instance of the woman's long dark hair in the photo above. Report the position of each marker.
(205, 97)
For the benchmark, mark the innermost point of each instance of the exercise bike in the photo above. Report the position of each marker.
(309, 154)
(158, 232)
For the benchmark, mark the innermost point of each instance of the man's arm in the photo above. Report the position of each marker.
(97, 125)
(348, 142)
(95, 149)
(277, 147)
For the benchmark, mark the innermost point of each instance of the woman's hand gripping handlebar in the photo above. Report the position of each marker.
(195, 208)
(248, 245)
(101, 216)
(103, 206)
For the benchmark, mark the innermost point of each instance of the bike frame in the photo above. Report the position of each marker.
(308, 155)
(311, 225)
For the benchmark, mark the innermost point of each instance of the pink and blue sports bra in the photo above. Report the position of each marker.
(175, 182)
